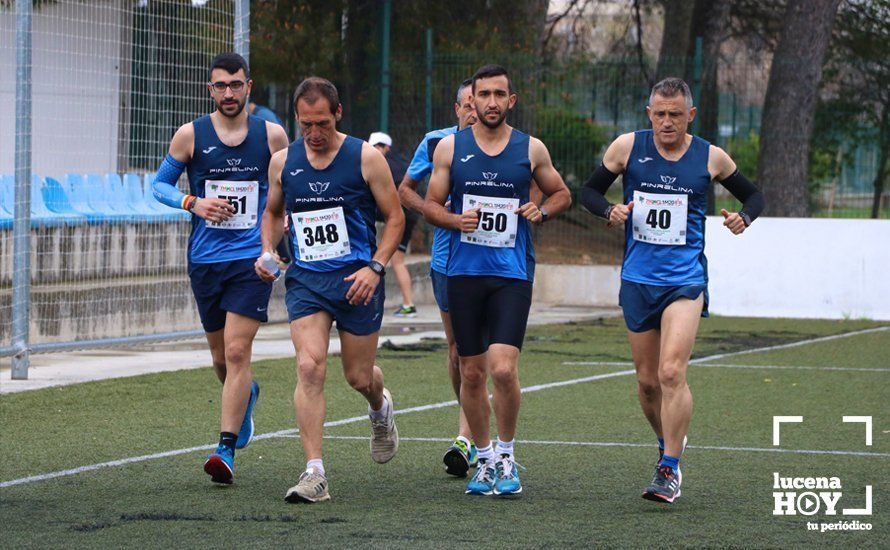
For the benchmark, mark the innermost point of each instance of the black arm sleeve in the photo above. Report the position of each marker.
(750, 196)
(593, 194)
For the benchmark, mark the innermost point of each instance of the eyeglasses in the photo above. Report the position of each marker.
(235, 86)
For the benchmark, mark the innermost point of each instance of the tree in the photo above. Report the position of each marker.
(857, 87)
(675, 39)
(790, 103)
(710, 20)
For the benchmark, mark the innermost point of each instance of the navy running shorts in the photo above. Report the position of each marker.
(488, 310)
(228, 286)
(308, 292)
(440, 289)
(644, 304)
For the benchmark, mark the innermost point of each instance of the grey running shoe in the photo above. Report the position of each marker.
(384, 434)
(665, 486)
(312, 487)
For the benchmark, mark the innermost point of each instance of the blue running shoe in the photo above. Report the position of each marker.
(473, 456)
(245, 434)
(482, 483)
(221, 465)
(507, 477)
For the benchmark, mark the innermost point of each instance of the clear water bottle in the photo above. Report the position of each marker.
(270, 264)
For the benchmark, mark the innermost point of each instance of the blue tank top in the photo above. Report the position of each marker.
(420, 167)
(648, 172)
(506, 175)
(215, 162)
(340, 185)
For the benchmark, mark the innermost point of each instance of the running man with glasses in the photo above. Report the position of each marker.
(227, 156)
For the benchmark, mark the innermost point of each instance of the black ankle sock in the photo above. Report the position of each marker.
(228, 439)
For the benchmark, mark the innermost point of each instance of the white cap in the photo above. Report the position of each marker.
(379, 138)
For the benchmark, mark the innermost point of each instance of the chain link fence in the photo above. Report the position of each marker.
(111, 81)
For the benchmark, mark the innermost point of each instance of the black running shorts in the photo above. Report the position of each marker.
(488, 310)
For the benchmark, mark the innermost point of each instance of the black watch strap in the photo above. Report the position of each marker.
(377, 267)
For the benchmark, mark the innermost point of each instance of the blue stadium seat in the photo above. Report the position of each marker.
(168, 212)
(75, 190)
(42, 215)
(101, 200)
(7, 205)
(56, 198)
(135, 197)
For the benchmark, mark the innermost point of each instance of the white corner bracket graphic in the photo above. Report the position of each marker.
(862, 420)
(861, 511)
(778, 421)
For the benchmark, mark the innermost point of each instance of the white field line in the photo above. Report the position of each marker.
(281, 433)
(726, 366)
(351, 420)
(618, 444)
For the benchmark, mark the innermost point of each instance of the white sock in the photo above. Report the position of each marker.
(464, 439)
(317, 464)
(504, 447)
(485, 453)
(381, 414)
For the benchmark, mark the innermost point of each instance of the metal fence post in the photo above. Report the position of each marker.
(242, 29)
(385, 17)
(21, 271)
(429, 80)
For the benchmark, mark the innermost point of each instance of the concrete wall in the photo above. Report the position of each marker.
(790, 267)
(76, 63)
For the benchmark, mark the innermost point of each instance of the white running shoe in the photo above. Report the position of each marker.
(384, 434)
(312, 487)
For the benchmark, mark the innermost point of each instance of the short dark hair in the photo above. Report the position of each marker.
(463, 85)
(315, 87)
(488, 71)
(670, 87)
(231, 63)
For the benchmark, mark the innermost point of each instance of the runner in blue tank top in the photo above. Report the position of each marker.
(488, 171)
(227, 156)
(330, 184)
(461, 454)
(664, 277)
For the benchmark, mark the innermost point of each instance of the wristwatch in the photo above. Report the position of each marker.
(544, 215)
(745, 218)
(377, 267)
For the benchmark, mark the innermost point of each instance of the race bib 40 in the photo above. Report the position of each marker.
(660, 218)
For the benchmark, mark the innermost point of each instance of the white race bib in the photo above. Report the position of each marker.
(497, 221)
(243, 195)
(321, 234)
(660, 218)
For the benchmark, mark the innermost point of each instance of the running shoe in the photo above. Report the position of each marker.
(459, 458)
(482, 483)
(665, 486)
(311, 487)
(406, 311)
(221, 465)
(384, 434)
(245, 434)
(507, 477)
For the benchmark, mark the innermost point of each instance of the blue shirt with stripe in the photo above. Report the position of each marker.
(214, 160)
(340, 184)
(506, 175)
(647, 171)
(420, 167)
